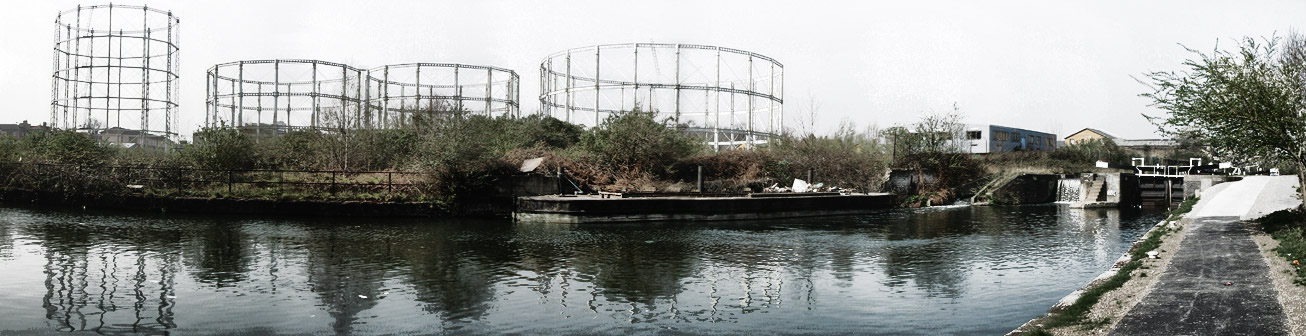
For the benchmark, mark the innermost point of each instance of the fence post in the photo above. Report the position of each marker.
(390, 182)
(333, 181)
(229, 181)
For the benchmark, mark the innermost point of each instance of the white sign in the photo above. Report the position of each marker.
(1101, 164)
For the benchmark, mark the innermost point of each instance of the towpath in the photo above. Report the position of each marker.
(1218, 283)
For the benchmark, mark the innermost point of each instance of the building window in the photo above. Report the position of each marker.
(973, 135)
(1015, 137)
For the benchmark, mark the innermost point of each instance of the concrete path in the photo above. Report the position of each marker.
(1192, 297)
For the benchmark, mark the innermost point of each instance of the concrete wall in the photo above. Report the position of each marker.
(1195, 184)
(1028, 189)
(907, 182)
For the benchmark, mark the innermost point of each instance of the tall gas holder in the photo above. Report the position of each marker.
(730, 98)
(115, 67)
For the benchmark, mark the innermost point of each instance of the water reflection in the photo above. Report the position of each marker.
(891, 272)
(103, 288)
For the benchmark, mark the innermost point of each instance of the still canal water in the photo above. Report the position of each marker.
(960, 270)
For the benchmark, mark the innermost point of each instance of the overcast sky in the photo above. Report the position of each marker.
(1055, 66)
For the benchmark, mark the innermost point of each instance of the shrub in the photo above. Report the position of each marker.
(636, 145)
(221, 148)
(1092, 151)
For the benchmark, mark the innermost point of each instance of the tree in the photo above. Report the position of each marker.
(1244, 103)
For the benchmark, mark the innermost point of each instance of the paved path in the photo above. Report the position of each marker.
(1191, 297)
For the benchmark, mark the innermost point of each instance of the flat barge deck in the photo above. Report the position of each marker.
(581, 209)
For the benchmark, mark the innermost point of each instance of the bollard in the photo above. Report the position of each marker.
(809, 176)
(699, 184)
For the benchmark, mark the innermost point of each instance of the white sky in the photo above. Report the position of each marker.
(1055, 66)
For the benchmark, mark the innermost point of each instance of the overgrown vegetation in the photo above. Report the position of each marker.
(1289, 228)
(466, 159)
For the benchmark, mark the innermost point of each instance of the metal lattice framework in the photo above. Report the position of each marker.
(398, 92)
(730, 97)
(273, 96)
(115, 66)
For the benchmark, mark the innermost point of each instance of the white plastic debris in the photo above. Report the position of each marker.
(1152, 254)
(801, 186)
(362, 296)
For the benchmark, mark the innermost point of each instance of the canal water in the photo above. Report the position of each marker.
(957, 270)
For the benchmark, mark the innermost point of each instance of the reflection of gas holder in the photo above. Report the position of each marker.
(93, 294)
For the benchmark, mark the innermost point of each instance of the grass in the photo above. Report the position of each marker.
(1077, 313)
(1287, 226)
(1183, 208)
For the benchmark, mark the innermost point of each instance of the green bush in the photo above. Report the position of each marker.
(636, 145)
(221, 148)
(1092, 151)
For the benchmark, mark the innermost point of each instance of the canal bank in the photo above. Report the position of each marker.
(1213, 275)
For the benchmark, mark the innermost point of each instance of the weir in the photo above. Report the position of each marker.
(1068, 190)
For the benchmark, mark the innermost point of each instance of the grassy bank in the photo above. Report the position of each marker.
(1289, 228)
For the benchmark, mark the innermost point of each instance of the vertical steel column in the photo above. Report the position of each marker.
(458, 89)
(121, 36)
(516, 95)
(546, 85)
(634, 93)
(54, 75)
(211, 97)
(168, 89)
(568, 88)
(145, 102)
(77, 73)
(597, 67)
(716, 121)
(316, 94)
(385, 95)
(678, 89)
(418, 85)
(258, 113)
(751, 88)
(276, 92)
(344, 89)
(489, 90)
(781, 118)
(240, 74)
(108, 74)
(359, 121)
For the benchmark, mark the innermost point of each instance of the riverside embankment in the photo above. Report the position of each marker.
(1213, 275)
